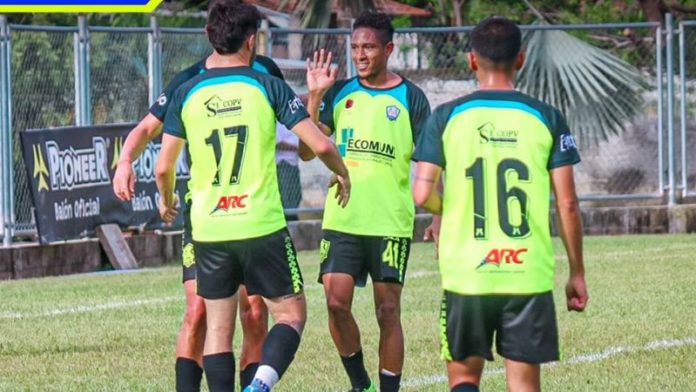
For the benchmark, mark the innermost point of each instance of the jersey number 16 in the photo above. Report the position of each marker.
(477, 173)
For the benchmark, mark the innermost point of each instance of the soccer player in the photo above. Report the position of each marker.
(376, 118)
(227, 115)
(252, 310)
(502, 151)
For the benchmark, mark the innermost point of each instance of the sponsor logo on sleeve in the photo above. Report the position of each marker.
(568, 142)
(295, 104)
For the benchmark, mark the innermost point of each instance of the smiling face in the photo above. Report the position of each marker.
(370, 54)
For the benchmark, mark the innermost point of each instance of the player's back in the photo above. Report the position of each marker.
(228, 117)
(498, 148)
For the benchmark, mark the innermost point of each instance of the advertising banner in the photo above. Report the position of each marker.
(70, 171)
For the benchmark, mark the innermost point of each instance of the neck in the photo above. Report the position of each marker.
(495, 80)
(239, 59)
(382, 79)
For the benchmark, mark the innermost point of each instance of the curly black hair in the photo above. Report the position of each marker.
(377, 21)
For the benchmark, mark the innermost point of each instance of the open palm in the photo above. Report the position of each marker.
(320, 75)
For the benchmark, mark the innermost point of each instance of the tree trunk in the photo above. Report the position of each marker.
(653, 9)
(457, 8)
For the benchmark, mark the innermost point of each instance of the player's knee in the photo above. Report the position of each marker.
(388, 314)
(254, 320)
(194, 317)
(338, 308)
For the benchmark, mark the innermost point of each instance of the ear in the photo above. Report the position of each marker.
(520, 60)
(473, 62)
(251, 41)
(389, 48)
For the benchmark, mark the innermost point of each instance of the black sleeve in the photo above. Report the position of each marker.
(326, 110)
(270, 66)
(288, 107)
(173, 125)
(429, 146)
(419, 110)
(160, 106)
(565, 150)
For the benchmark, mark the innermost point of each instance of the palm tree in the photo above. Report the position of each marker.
(598, 92)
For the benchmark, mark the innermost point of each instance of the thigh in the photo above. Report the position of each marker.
(270, 265)
(528, 331)
(188, 256)
(342, 253)
(466, 327)
(387, 258)
(218, 270)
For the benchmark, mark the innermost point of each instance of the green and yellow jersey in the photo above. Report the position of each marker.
(497, 148)
(228, 118)
(375, 132)
(159, 108)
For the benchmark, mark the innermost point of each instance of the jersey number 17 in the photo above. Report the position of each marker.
(240, 132)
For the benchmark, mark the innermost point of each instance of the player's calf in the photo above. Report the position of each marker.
(282, 342)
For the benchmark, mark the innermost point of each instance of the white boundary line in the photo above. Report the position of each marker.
(143, 302)
(91, 308)
(583, 358)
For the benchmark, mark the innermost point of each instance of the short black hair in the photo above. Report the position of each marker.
(497, 39)
(378, 21)
(230, 22)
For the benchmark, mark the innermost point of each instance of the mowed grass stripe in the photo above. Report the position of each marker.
(642, 290)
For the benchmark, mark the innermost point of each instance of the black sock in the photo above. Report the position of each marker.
(188, 375)
(219, 371)
(246, 376)
(389, 383)
(356, 370)
(280, 347)
(465, 387)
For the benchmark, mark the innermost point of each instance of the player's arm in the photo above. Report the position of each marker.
(321, 146)
(570, 230)
(165, 175)
(124, 179)
(320, 77)
(425, 194)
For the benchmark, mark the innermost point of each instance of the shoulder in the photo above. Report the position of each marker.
(188, 74)
(267, 65)
(549, 114)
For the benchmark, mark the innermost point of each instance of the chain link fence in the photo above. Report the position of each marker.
(43, 95)
(118, 76)
(627, 164)
(687, 84)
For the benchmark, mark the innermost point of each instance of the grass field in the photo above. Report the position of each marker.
(117, 331)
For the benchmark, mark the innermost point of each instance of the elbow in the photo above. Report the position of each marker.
(324, 148)
(161, 171)
(568, 205)
(420, 197)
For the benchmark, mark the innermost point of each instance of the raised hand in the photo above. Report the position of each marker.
(320, 75)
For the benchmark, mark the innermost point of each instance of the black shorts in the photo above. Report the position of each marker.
(524, 326)
(384, 258)
(267, 265)
(187, 254)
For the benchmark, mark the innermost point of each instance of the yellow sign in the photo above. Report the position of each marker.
(77, 6)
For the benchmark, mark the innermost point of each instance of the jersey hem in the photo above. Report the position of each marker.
(249, 237)
(369, 233)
